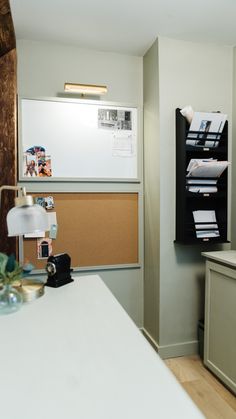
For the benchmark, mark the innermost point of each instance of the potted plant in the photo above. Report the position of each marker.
(10, 273)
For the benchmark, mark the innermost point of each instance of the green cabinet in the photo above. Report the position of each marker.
(220, 316)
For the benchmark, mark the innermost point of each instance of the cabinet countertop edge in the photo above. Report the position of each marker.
(227, 257)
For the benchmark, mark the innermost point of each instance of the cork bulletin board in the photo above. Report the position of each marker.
(93, 228)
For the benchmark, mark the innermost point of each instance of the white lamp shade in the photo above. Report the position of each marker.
(26, 219)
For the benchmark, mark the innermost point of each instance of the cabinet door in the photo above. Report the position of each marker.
(220, 323)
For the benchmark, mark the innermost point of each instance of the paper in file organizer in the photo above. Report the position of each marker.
(208, 217)
(192, 181)
(206, 123)
(194, 162)
(202, 234)
(205, 189)
(206, 168)
(202, 185)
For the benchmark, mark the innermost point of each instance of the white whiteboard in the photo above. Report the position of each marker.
(81, 139)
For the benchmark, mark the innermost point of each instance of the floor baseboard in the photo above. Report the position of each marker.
(174, 350)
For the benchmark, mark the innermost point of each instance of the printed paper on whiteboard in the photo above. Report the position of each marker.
(123, 145)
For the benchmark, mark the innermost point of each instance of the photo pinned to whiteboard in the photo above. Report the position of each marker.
(115, 119)
(30, 165)
(36, 150)
(123, 145)
(45, 167)
(206, 127)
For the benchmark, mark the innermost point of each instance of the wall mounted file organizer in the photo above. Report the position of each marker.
(201, 200)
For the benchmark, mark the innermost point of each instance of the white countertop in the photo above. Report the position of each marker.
(227, 257)
(75, 354)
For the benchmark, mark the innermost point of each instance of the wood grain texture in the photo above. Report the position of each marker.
(7, 143)
(7, 33)
(93, 228)
(213, 399)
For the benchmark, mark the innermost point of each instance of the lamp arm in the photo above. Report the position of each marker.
(14, 188)
(20, 189)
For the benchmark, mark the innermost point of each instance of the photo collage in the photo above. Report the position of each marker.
(36, 162)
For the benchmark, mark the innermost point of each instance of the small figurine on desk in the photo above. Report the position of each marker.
(27, 268)
(58, 270)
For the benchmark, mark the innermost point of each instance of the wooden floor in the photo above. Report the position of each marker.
(211, 397)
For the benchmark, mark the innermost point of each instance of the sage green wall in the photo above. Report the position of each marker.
(42, 70)
(152, 192)
(199, 75)
(44, 67)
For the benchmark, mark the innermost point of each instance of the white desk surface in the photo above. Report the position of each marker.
(75, 354)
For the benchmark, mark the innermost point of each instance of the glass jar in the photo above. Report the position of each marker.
(10, 299)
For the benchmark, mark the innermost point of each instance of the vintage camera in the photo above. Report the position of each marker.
(58, 270)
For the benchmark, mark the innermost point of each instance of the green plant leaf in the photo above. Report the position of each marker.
(10, 270)
(11, 263)
(3, 264)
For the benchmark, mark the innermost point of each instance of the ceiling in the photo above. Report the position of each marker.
(124, 26)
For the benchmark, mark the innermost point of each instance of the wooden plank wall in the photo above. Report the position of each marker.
(8, 86)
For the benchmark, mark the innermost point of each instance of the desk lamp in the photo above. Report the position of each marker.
(24, 217)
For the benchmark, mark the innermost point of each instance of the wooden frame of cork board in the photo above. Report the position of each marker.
(93, 228)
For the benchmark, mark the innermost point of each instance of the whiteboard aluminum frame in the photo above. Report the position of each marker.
(139, 150)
